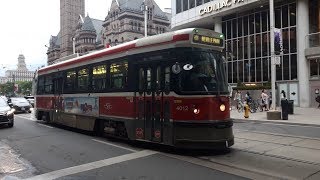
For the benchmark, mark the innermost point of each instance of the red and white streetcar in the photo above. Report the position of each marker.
(169, 89)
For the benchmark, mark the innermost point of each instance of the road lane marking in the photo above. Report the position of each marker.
(111, 144)
(45, 125)
(93, 165)
(30, 119)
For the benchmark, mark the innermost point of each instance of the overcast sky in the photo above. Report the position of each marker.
(26, 27)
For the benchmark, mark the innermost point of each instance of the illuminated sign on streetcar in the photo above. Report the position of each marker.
(213, 41)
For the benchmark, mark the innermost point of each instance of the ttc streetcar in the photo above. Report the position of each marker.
(169, 89)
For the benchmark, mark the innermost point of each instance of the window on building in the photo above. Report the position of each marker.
(314, 69)
(199, 2)
(150, 13)
(178, 6)
(99, 75)
(250, 49)
(191, 4)
(285, 16)
(185, 5)
(292, 11)
(118, 75)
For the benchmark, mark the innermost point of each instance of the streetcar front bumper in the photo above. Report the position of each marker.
(203, 135)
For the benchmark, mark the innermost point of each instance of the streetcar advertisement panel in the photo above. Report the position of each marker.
(82, 105)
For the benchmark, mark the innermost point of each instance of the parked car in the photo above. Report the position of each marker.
(4, 97)
(6, 113)
(20, 104)
(30, 99)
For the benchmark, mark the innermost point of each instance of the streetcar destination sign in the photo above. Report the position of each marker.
(213, 41)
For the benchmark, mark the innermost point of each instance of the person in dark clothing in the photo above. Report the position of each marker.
(318, 100)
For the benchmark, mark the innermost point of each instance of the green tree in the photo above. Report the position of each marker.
(25, 87)
(7, 89)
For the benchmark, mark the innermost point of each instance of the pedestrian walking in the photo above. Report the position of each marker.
(237, 99)
(283, 95)
(318, 100)
(270, 100)
(264, 100)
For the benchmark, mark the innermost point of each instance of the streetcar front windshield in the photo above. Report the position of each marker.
(203, 73)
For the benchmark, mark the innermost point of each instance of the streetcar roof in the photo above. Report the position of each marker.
(164, 40)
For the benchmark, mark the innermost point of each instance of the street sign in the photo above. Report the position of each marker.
(277, 60)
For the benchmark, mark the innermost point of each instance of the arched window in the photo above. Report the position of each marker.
(116, 42)
(135, 26)
(122, 40)
(150, 13)
(131, 24)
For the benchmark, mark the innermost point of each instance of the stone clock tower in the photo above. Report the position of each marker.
(70, 10)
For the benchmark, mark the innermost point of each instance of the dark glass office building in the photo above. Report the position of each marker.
(246, 25)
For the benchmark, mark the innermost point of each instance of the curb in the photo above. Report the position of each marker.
(274, 122)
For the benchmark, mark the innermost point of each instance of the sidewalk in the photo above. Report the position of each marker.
(301, 116)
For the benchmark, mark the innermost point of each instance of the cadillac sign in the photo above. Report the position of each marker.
(218, 5)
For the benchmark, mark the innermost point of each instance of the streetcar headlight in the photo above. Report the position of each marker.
(196, 110)
(222, 107)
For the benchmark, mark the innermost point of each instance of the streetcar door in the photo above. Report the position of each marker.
(57, 101)
(149, 103)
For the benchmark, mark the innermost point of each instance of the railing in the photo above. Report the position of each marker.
(313, 40)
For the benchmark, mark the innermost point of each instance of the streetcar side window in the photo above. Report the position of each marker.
(48, 85)
(149, 76)
(83, 79)
(70, 80)
(118, 75)
(40, 89)
(167, 79)
(99, 77)
(141, 80)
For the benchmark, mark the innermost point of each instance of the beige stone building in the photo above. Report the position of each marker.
(124, 22)
(21, 73)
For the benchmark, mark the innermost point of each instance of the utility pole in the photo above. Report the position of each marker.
(273, 65)
(14, 82)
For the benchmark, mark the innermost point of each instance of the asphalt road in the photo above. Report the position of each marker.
(39, 151)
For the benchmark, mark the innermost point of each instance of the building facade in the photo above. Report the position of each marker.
(21, 73)
(246, 25)
(70, 10)
(124, 22)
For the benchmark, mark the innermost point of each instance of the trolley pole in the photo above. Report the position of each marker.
(273, 65)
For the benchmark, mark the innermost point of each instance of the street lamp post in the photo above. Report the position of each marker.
(14, 81)
(273, 65)
(144, 8)
(74, 45)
